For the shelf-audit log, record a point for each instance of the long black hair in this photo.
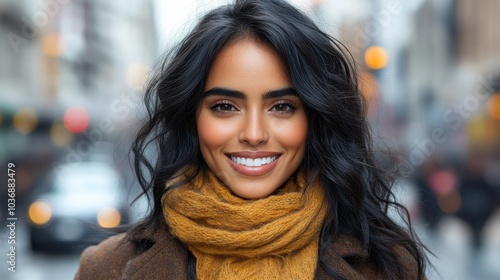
(339, 143)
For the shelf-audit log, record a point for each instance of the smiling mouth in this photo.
(253, 162)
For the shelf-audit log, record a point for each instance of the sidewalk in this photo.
(455, 258)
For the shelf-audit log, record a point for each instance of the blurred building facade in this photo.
(58, 54)
(71, 77)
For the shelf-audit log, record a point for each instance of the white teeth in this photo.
(250, 162)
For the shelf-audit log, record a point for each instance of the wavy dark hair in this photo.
(339, 145)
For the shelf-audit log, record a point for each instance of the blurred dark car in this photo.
(78, 204)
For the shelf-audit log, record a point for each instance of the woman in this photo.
(264, 168)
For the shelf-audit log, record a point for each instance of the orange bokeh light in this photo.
(376, 57)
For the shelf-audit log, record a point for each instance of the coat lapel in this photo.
(166, 259)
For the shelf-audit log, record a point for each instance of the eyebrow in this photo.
(218, 91)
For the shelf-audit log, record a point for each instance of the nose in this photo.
(254, 129)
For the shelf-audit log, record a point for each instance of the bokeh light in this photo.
(40, 213)
(136, 75)
(60, 135)
(76, 119)
(376, 57)
(108, 218)
(51, 44)
(25, 121)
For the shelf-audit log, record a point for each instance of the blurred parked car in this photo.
(78, 204)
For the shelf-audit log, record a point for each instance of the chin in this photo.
(253, 195)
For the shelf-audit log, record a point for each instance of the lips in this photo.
(253, 163)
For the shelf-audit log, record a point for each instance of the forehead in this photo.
(248, 64)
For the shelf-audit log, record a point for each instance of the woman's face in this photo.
(251, 123)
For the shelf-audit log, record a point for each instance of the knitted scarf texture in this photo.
(233, 238)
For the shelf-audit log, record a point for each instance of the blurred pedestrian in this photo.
(478, 196)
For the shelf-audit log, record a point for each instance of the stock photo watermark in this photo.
(374, 27)
(32, 25)
(454, 118)
(11, 218)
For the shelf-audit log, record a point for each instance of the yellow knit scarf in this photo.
(232, 238)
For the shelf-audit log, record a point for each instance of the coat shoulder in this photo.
(347, 257)
(109, 258)
(152, 253)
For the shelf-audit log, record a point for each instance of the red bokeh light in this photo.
(76, 119)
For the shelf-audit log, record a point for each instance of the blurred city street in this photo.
(72, 80)
(455, 259)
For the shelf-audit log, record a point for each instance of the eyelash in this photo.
(216, 107)
(291, 107)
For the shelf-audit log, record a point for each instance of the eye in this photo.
(284, 107)
(225, 107)
(222, 107)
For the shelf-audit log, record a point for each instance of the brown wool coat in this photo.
(167, 259)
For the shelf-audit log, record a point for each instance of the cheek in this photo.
(211, 133)
(292, 135)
